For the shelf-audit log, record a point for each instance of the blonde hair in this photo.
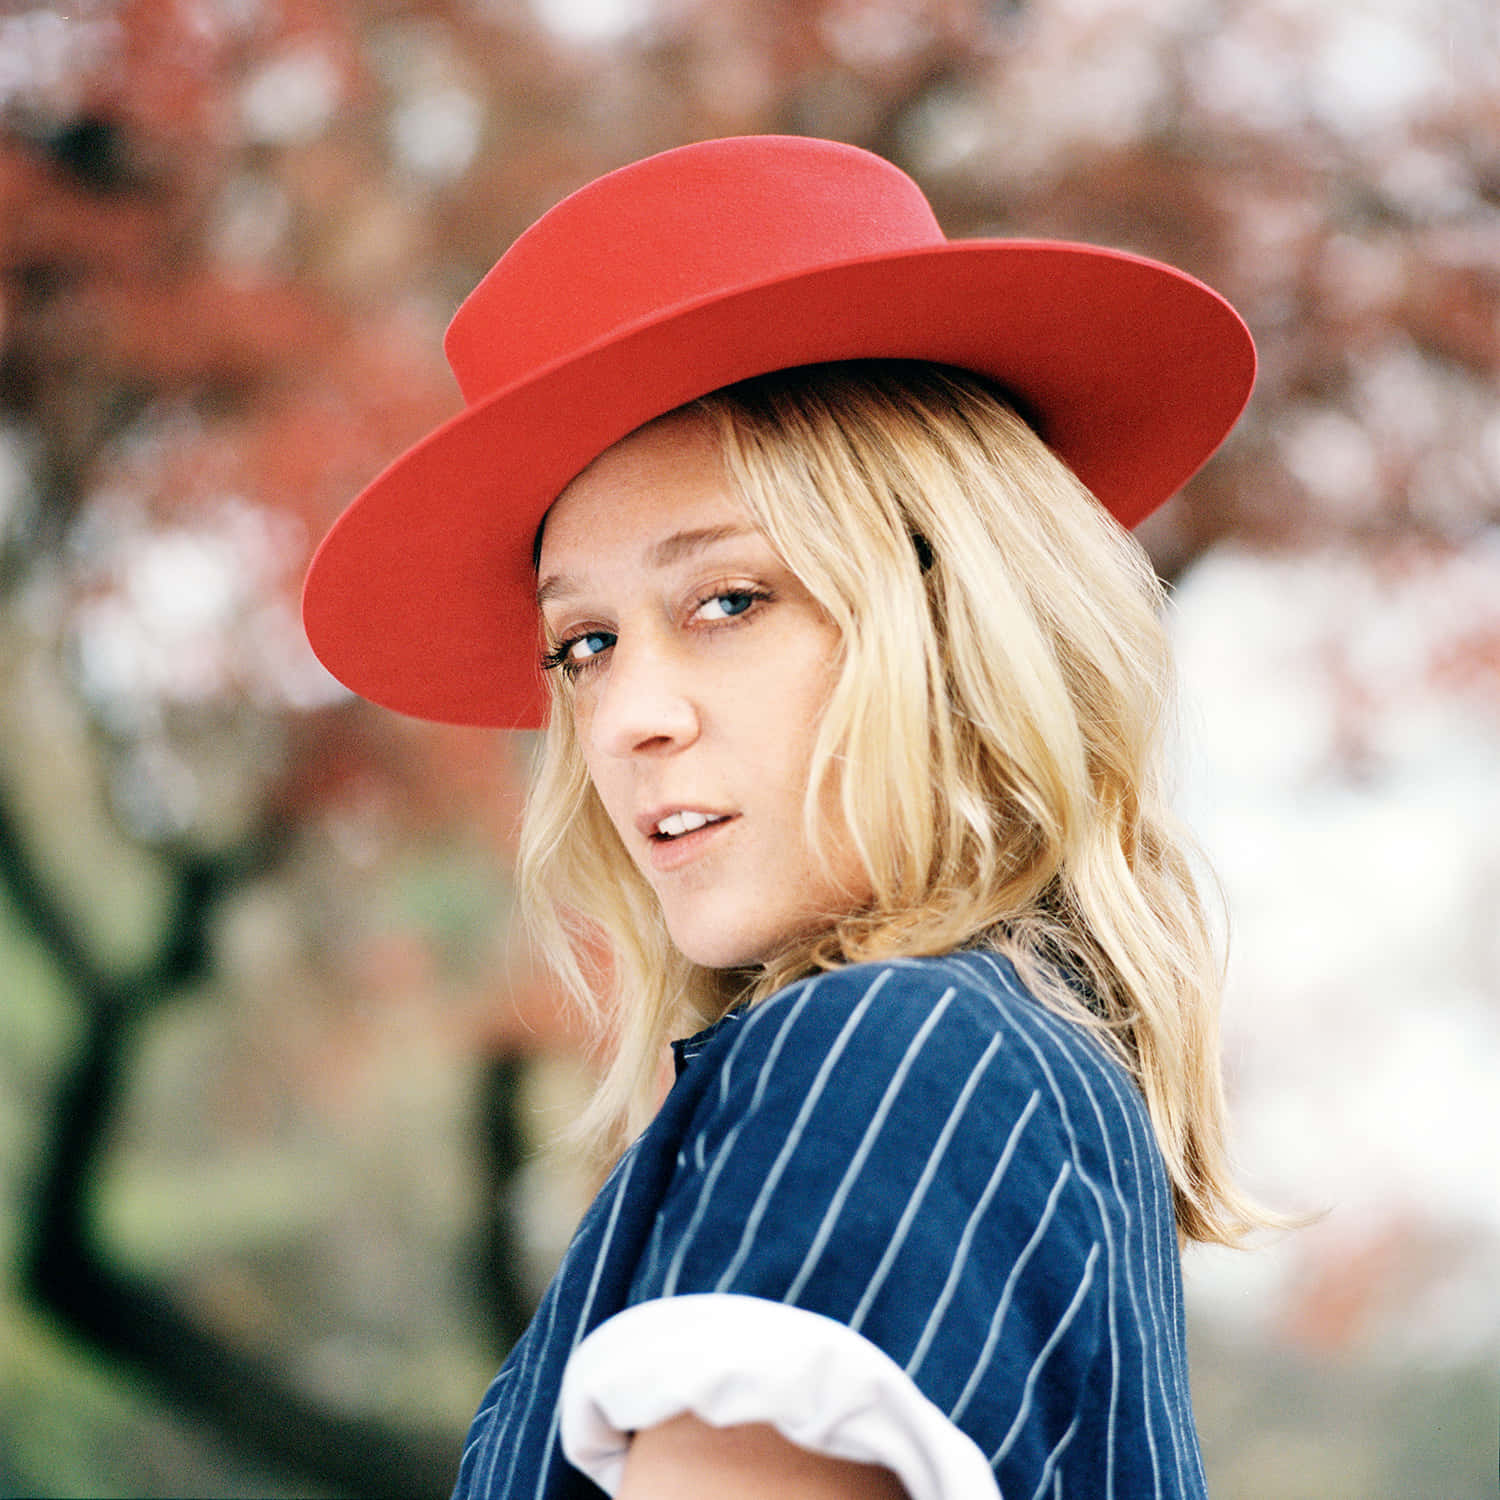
(994, 734)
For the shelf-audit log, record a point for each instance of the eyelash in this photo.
(559, 659)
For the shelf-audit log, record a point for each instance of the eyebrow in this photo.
(661, 554)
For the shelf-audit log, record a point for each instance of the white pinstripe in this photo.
(799, 1125)
(492, 1401)
(802, 994)
(1049, 1468)
(1159, 1283)
(1098, 1196)
(1018, 1267)
(966, 1239)
(1151, 1346)
(866, 1144)
(705, 1195)
(496, 1437)
(909, 1213)
(1053, 1339)
(588, 1306)
(1140, 1245)
(726, 1150)
(653, 1249)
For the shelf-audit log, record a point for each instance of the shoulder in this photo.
(852, 1135)
(958, 1033)
(922, 1012)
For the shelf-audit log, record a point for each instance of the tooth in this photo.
(674, 825)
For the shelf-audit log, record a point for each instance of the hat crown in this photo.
(702, 221)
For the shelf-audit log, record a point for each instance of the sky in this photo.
(1342, 770)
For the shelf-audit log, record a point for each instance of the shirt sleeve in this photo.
(880, 1155)
(729, 1359)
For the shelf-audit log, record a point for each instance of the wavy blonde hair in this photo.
(995, 735)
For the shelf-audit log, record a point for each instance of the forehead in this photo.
(666, 477)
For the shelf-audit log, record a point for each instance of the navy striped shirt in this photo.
(920, 1151)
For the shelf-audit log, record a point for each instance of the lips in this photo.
(677, 837)
(674, 820)
(674, 825)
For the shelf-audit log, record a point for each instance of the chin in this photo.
(717, 948)
(721, 955)
(713, 946)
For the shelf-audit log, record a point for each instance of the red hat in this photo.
(692, 270)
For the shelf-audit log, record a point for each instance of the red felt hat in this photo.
(689, 271)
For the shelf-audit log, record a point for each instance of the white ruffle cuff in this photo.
(729, 1359)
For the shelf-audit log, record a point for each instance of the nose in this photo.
(644, 704)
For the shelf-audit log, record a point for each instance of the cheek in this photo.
(789, 728)
(799, 707)
(605, 779)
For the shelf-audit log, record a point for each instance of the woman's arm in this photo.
(686, 1459)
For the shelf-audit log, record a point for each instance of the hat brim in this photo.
(422, 596)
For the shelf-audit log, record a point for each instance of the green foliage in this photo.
(455, 897)
(73, 1424)
(229, 239)
(1276, 1421)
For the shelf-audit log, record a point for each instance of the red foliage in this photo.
(212, 289)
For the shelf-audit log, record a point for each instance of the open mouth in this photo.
(676, 825)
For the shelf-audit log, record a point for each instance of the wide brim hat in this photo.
(691, 270)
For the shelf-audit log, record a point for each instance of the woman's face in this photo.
(700, 667)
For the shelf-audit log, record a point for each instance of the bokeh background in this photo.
(279, 1085)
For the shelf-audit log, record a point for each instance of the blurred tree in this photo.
(230, 236)
(184, 397)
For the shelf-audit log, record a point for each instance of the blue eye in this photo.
(581, 647)
(575, 653)
(727, 605)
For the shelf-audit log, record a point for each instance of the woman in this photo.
(854, 692)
